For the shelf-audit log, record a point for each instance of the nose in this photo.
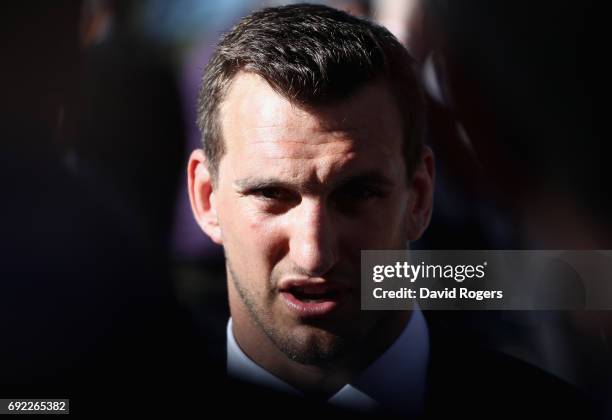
(313, 242)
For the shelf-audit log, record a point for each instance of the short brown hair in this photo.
(312, 55)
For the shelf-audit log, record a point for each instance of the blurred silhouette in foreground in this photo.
(86, 304)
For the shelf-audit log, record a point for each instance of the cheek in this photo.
(381, 227)
(251, 240)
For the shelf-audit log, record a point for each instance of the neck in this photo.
(316, 381)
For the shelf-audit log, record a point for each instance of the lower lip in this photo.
(309, 309)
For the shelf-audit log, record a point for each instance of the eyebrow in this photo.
(370, 177)
(255, 183)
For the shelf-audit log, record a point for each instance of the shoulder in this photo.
(466, 379)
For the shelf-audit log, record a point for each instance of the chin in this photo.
(310, 345)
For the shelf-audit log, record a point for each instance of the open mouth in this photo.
(310, 300)
(313, 294)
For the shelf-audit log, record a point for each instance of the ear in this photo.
(420, 197)
(202, 196)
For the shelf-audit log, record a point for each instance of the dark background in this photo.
(107, 282)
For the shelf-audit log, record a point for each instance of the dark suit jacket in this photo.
(464, 381)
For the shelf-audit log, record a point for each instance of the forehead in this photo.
(261, 127)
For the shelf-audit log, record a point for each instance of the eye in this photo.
(352, 197)
(272, 193)
(274, 200)
(358, 192)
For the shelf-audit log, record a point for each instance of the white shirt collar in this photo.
(395, 381)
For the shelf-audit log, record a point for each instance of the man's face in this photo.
(299, 194)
